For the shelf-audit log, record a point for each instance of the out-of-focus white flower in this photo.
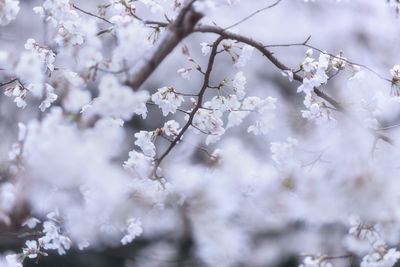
(381, 258)
(8, 11)
(308, 64)
(315, 262)
(50, 98)
(133, 230)
(31, 249)
(139, 164)
(238, 85)
(289, 74)
(76, 99)
(20, 94)
(30, 68)
(31, 222)
(84, 244)
(205, 48)
(118, 101)
(245, 55)
(14, 260)
(395, 71)
(46, 55)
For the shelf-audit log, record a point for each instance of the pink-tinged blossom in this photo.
(153, 5)
(167, 100)
(46, 55)
(308, 64)
(395, 71)
(76, 99)
(185, 73)
(19, 92)
(171, 128)
(208, 122)
(31, 249)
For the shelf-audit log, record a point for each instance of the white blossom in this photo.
(386, 259)
(31, 222)
(139, 164)
(167, 99)
(14, 260)
(171, 128)
(205, 48)
(50, 98)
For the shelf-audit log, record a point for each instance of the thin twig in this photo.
(251, 15)
(91, 14)
(7, 83)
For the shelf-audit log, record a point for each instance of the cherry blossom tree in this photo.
(201, 132)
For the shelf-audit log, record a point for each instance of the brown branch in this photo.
(176, 32)
(184, 25)
(268, 54)
(195, 109)
(104, 31)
